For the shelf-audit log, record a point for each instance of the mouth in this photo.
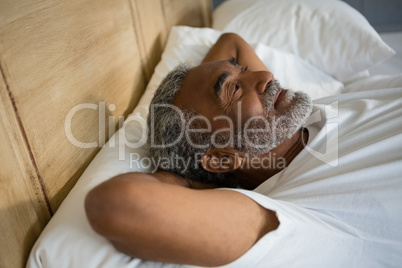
(276, 97)
(274, 92)
(279, 96)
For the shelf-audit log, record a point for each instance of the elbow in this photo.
(233, 37)
(229, 35)
(96, 209)
(104, 204)
(101, 208)
(112, 204)
(117, 210)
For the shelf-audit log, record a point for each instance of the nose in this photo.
(258, 80)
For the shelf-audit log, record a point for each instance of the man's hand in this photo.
(232, 45)
(157, 217)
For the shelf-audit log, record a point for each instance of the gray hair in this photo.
(168, 145)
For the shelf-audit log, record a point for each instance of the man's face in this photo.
(249, 99)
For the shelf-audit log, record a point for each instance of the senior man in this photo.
(242, 130)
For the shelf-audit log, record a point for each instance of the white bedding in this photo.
(68, 240)
(339, 201)
(387, 74)
(392, 66)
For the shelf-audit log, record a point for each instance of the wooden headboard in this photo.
(68, 69)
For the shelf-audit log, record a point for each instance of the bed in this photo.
(73, 70)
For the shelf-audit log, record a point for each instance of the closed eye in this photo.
(235, 89)
(233, 61)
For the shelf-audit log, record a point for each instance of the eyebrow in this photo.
(219, 82)
(222, 78)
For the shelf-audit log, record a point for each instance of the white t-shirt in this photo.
(339, 202)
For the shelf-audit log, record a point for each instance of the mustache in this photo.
(271, 89)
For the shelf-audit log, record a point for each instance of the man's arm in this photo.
(152, 216)
(232, 45)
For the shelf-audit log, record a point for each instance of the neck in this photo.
(298, 145)
(259, 169)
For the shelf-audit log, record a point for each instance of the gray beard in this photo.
(270, 129)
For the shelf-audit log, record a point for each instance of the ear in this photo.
(219, 160)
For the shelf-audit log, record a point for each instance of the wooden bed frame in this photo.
(55, 55)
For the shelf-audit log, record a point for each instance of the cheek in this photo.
(247, 108)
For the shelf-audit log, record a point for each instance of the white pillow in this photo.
(68, 240)
(329, 34)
